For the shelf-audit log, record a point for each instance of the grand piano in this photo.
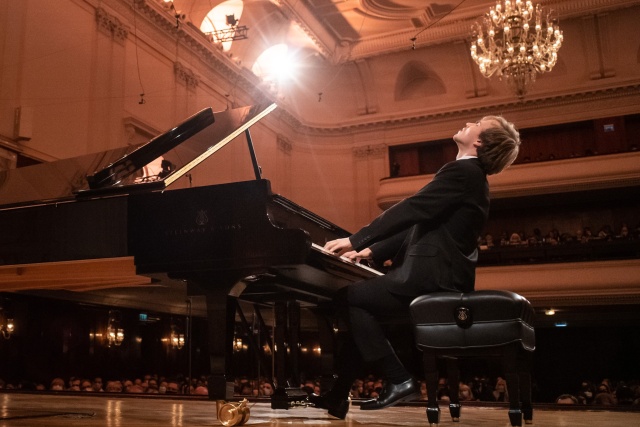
(229, 242)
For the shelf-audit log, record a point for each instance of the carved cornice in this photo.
(284, 144)
(370, 151)
(243, 79)
(111, 25)
(511, 105)
(201, 47)
(294, 14)
(185, 75)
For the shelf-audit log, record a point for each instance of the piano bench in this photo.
(487, 324)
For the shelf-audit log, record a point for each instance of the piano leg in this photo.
(288, 393)
(327, 338)
(221, 310)
(287, 343)
(279, 338)
(294, 342)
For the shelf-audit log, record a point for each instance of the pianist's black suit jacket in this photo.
(432, 235)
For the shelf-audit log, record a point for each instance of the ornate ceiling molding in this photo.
(185, 75)
(202, 48)
(451, 28)
(284, 144)
(377, 150)
(513, 105)
(111, 25)
(299, 14)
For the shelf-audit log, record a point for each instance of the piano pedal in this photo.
(288, 398)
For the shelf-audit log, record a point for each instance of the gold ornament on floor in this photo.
(233, 414)
(516, 41)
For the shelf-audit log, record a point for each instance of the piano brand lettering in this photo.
(203, 230)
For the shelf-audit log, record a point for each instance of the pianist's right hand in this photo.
(344, 248)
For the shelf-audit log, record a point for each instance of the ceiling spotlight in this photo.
(231, 20)
(550, 312)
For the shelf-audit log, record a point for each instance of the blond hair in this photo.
(499, 145)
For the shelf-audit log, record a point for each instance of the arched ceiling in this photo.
(346, 30)
(357, 50)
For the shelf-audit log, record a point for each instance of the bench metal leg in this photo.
(526, 363)
(453, 374)
(431, 380)
(510, 360)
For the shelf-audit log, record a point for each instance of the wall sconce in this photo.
(115, 334)
(7, 330)
(177, 339)
(7, 326)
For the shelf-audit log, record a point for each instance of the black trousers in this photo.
(365, 306)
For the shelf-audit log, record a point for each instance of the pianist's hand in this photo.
(358, 256)
(343, 247)
(339, 246)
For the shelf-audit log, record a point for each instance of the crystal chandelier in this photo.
(516, 41)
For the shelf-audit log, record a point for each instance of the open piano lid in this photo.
(151, 166)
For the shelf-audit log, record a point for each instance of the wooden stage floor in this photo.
(85, 410)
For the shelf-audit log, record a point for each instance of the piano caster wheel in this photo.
(230, 414)
(515, 416)
(433, 416)
(454, 410)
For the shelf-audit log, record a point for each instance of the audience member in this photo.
(172, 387)
(567, 399)
(624, 232)
(74, 384)
(114, 387)
(500, 393)
(587, 394)
(465, 394)
(608, 393)
(423, 391)
(57, 384)
(201, 391)
(266, 389)
(97, 384)
(86, 385)
(604, 396)
(515, 239)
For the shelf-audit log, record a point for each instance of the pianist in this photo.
(431, 238)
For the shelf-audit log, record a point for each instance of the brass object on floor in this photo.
(232, 414)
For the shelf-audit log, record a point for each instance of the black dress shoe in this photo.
(334, 406)
(392, 394)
